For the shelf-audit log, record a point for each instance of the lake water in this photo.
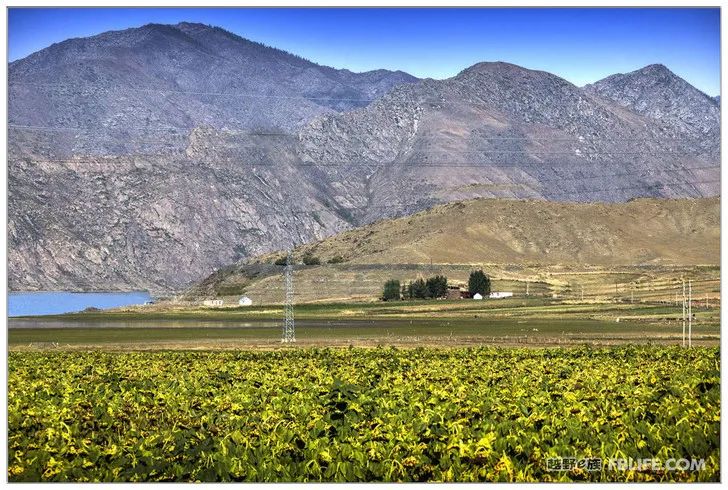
(56, 302)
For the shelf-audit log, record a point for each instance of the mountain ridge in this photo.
(157, 188)
(158, 76)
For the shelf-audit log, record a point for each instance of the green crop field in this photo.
(382, 414)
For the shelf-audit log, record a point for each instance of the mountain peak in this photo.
(494, 67)
(655, 68)
(657, 92)
(196, 25)
(287, 90)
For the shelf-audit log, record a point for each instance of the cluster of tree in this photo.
(433, 287)
(308, 259)
(479, 283)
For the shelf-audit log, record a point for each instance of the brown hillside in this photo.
(643, 231)
(646, 245)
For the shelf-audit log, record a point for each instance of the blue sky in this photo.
(581, 45)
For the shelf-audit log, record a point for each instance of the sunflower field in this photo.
(383, 414)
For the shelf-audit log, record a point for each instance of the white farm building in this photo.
(477, 296)
(500, 294)
(245, 301)
(213, 302)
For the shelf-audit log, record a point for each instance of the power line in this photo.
(534, 154)
(202, 127)
(401, 207)
(576, 193)
(192, 92)
(282, 212)
(668, 286)
(127, 128)
(397, 165)
(598, 191)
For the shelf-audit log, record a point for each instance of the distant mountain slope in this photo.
(149, 157)
(120, 87)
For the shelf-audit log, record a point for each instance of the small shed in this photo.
(453, 292)
(213, 302)
(477, 296)
(245, 301)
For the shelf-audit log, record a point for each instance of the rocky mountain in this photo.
(149, 157)
(141, 88)
(500, 130)
(654, 91)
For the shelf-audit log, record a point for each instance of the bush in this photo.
(310, 259)
(336, 260)
(280, 261)
(391, 290)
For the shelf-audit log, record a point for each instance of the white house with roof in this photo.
(245, 301)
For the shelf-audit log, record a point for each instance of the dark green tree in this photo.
(391, 290)
(280, 261)
(479, 283)
(437, 287)
(419, 289)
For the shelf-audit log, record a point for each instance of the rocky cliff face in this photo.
(147, 158)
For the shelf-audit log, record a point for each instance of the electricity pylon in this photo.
(684, 311)
(690, 314)
(289, 328)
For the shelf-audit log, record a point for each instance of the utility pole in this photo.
(527, 283)
(289, 329)
(582, 293)
(706, 301)
(683, 313)
(632, 295)
(690, 314)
